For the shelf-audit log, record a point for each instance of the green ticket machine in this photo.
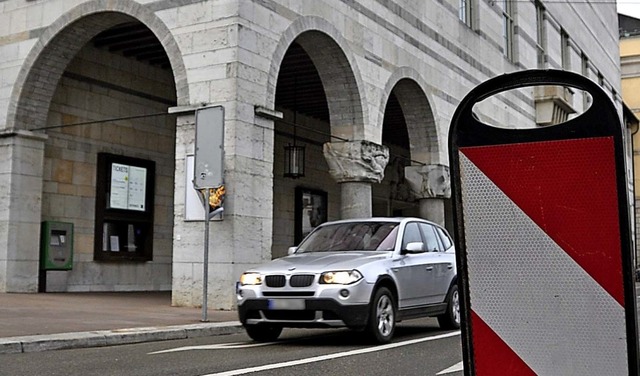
(56, 246)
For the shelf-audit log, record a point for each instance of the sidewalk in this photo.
(50, 321)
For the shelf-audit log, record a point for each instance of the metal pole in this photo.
(205, 272)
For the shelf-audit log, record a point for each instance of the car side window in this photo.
(446, 240)
(431, 239)
(411, 234)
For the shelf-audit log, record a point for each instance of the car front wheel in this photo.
(382, 316)
(451, 318)
(263, 333)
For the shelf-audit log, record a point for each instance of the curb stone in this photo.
(38, 343)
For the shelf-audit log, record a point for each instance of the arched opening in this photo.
(409, 132)
(393, 197)
(111, 98)
(301, 98)
(317, 94)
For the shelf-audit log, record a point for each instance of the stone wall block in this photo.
(3, 274)
(20, 276)
(183, 284)
(4, 230)
(5, 196)
(208, 73)
(194, 14)
(251, 247)
(221, 291)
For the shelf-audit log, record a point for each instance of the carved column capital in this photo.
(356, 161)
(430, 181)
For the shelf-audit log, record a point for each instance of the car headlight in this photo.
(250, 279)
(342, 277)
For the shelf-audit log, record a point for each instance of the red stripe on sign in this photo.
(568, 188)
(491, 355)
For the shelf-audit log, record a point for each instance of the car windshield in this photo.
(351, 236)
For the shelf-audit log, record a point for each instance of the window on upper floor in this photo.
(565, 50)
(508, 29)
(466, 9)
(584, 69)
(585, 72)
(541, 35)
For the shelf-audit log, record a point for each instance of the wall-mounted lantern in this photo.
(293, 160)
(294, 154)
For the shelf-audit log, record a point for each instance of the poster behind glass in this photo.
(127, 187)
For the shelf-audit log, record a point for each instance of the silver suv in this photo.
(365, 274)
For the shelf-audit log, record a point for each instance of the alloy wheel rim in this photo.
(385, 315)
(455, 306)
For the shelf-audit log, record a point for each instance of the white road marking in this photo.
(321, 358)
(219, 346)
(454, 368)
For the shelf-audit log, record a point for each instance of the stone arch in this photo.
(337, 68)
(61, 41)
(409, 88)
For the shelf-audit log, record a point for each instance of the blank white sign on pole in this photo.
(193, 208)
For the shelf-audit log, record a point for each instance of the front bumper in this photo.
(313, 306)
(317, 313)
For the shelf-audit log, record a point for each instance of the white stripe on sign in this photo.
(535, 297)
(321, 358)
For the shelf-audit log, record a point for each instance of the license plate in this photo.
(289, 304)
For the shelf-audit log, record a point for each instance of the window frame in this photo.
(541, 34)
(584, 61)
(118, 223)
(508, 29)
(300, 207)
(565, 50)
(465, 12)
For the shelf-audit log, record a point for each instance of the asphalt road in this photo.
(419, 348)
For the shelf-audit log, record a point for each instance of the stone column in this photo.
(431, 184)
(21, 170)
(356, 165)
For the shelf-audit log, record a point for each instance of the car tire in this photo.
(451, 318)
(263, 333)
(382, 316)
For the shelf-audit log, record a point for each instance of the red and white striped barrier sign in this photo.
(543, 243)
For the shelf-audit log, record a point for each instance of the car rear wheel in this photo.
(263, 333)
(382, 316)
(451, 318)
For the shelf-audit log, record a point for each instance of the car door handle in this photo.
(449, 266)
(429, 268)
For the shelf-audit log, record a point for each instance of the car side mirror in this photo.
(292, 250)
(414, 247)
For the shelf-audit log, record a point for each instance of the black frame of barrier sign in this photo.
(601, 119)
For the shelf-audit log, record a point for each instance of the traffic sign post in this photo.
(543, 239)
(208, 177)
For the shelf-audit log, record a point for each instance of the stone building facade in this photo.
(367, 87)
